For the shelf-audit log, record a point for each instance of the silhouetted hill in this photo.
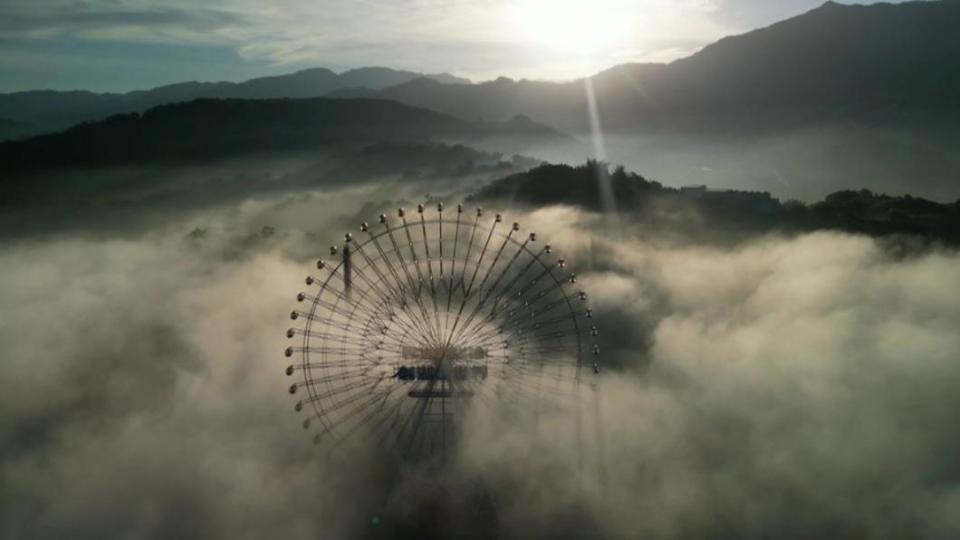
(49, 110)
(207, 128)
(319, 82)
(898, 62)
(118, 198)
(498, 99)
(381, 77)
(728, 214)
(10, 129)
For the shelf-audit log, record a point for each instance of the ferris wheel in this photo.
(422, 318)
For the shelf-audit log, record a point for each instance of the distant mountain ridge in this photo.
(887, 61)
(896, 62)
(207, 129)
(39, 111)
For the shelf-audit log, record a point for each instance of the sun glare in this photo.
(583, 26)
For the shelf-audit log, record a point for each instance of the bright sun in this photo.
(582, 26)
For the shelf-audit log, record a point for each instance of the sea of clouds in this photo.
(786, 387)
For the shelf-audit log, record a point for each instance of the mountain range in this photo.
(206, 129)
(38, 111)
(896, 62)
(882, 62)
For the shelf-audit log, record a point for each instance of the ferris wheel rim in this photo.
(380, 297)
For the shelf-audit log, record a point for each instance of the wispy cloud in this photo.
(122, 21)
(475, 38)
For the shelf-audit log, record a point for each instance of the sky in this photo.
(121, 45)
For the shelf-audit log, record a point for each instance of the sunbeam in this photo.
(607, 198)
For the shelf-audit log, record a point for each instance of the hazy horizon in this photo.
(104, 46)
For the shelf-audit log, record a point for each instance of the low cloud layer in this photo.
(788, 388)
(796, 388)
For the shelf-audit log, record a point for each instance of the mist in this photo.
(786, 387)
(805, 163)
(133, 200)
(789, 388)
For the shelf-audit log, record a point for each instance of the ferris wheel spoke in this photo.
(480, 298)
(363, 302)
(524, 317)
(314, 318)
(339, 377)
(416, 326)
(365, 419)
(399, 284)
(416, 265)
(453, 264)
(527, 322)
(483, 253)
(440, 241)
(462, 282)
(384, 426)
(496, 258)
(491, 292)
(433, 288)
(351, 398)
(519, 294)
(413, 284)
(466, 294)
(508, 289)
(334, 315)
(342, 339)
(347, 388)
(352, 353)
(348, 355)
